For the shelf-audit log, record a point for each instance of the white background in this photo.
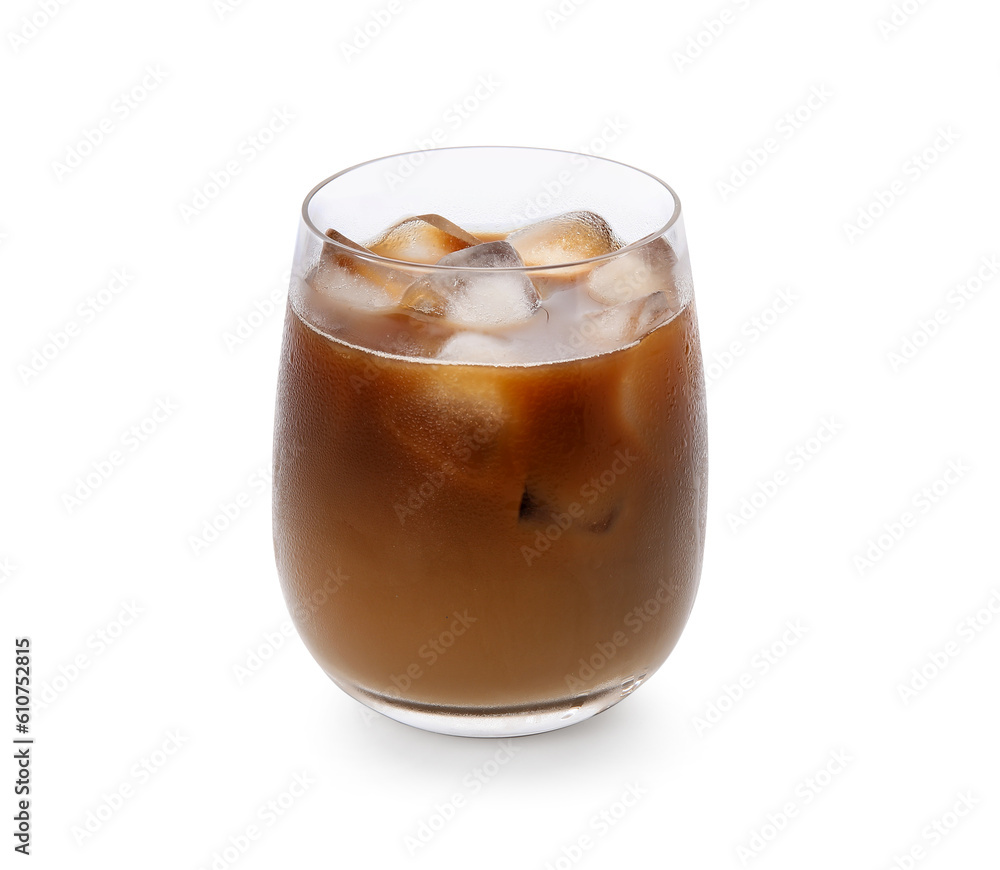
(709, 769)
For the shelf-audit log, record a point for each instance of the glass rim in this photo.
(372, 257)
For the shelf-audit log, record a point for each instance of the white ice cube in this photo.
(422, 239)
(635, 274)
(620, 325)
(565, 238)
(472, 294)
(476, 347)
(353, 280)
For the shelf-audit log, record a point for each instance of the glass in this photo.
(490, 480)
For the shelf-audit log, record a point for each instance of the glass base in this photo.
(513, 721)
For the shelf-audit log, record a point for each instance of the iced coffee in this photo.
(490, 463)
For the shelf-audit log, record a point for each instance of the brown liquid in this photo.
(473, 535)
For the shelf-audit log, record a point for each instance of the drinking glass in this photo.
(492, 530)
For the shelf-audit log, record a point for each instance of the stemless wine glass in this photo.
(490, 449)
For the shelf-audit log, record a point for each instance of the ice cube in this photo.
(452, 429)
(633, 275)
(476, 347)
(547, 499)
(476, 297)
(566, 238)
(394, 332)
(355, 281)
(330, 250)
(445, 225)
(623, 324)
(422, 239)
